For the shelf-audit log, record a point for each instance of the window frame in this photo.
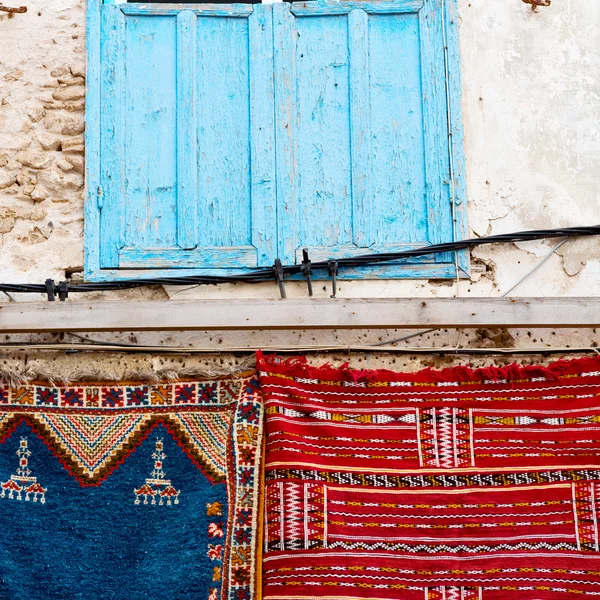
(457, 263)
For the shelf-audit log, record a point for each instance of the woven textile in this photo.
(456, 484)
(130, 491)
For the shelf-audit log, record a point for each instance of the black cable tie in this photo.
(278, 270)
(306, 270)
(50, 290)
(63, 290)
(332, 266)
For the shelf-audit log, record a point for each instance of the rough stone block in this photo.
(39, 194)
(7, 179)
(71, 92)
(71, 80)
(36, 114)
(73, 127)
(35, 160)
(76, 162)
(60, 71)
(48, 141)
(74, 144)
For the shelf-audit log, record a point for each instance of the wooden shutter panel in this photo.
(361, 127)
(187, 161)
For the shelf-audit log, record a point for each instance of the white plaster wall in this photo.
(531, 103)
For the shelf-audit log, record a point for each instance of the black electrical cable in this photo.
(267, 274)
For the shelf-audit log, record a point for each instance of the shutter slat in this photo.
(187, 145)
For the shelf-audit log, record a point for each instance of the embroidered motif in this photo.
(156, 486)
(23, 482)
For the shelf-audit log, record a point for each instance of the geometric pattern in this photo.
(91, 446)
(466, 484)
(92, 428)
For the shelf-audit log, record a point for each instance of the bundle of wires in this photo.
(258, 275)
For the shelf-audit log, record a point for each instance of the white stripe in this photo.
(461, 392)
(550, 429)
(536, 411)
(341, 409)
(395, 555)
(594, 517)
(355, 425)
(306, 516)
(417, 413)
(266, 526)
(442, 540)
(446, 516)
(357, 448)
(441, 578)
(435, 439)
(537, 447)
(575, 517)
(281, 518)
(324, 516)
(471, 437)
(454, 437)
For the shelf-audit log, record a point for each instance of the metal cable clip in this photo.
(307, 270)
(278, 270)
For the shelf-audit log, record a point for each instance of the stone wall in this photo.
(42, 95)
(530, 103)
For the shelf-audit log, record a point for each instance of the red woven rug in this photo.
(458, 484)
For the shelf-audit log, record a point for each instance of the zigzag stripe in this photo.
(92, 462)
(208, 434)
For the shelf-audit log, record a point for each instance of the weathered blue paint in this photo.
(93, 192)
(223, 136)
(187, 139)
(262, 135)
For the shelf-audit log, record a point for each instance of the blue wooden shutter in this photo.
(361, 129)
(230, 135)
(187, 161)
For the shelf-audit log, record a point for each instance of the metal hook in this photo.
(536, 3)
(278, 271)
(333, 271)
(13, 9)
(307, 270)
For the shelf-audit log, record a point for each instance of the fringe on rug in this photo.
(459, 374)
(25, 374)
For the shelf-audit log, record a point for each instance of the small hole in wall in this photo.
(39, 14)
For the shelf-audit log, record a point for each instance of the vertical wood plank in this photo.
(323, 205)
(187, 143)
(150, 205)
(397, 184)
(262, 135)
(286, 151)
(435, 113)
(92, 139)
(113, 58)
(223, 95)
(360, 128)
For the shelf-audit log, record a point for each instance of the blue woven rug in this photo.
(129, 491)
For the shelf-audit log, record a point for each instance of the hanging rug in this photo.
(130, 491)
(457, 484)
